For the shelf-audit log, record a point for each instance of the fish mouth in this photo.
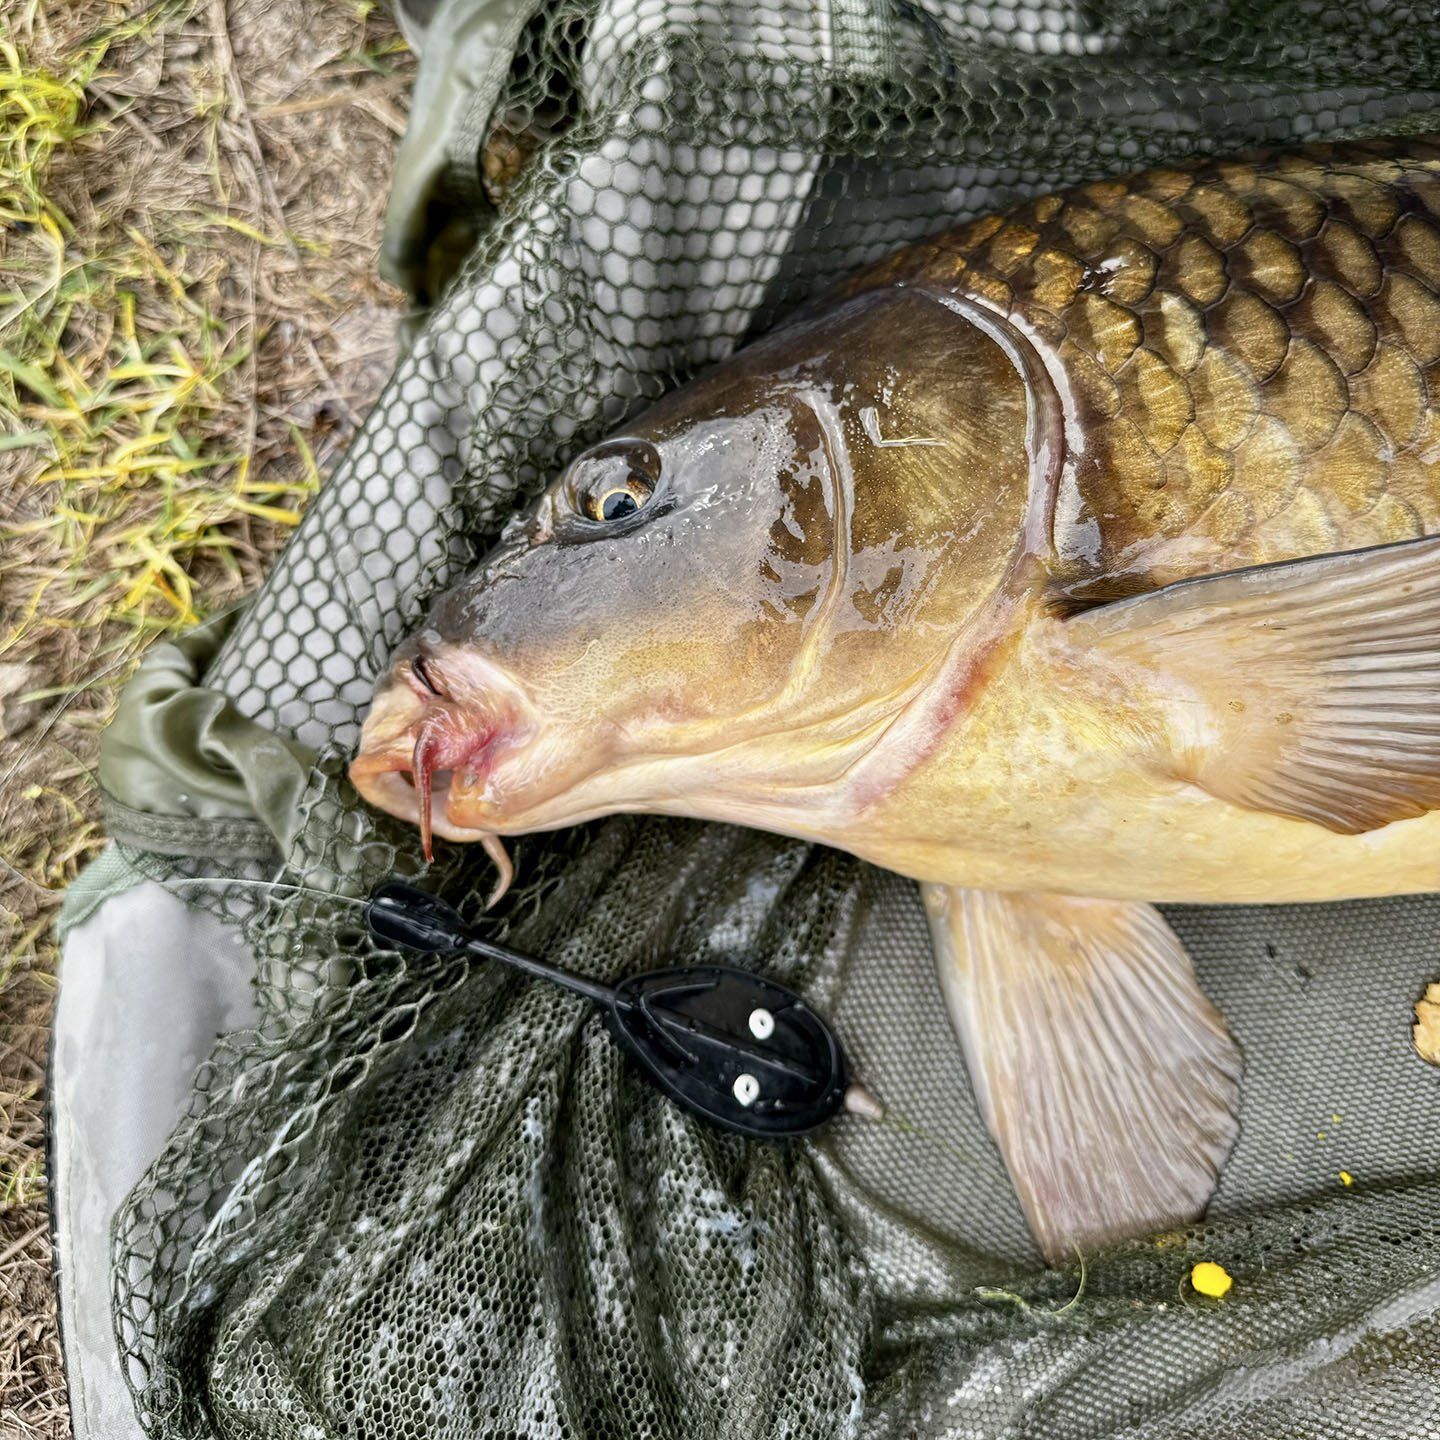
(427, 757)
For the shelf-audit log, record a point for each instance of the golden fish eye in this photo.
(613, 481)
(615, 502)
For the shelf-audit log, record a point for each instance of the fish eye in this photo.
(615, 480)
(617, 502)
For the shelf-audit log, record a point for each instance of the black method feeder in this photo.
(732, 1046)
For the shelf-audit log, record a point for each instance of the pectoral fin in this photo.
(1108, 1080)
(1310, 689)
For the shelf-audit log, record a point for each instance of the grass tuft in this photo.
(119, 377)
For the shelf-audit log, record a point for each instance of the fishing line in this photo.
(722, 1042)
(264, 885)
(173, 880)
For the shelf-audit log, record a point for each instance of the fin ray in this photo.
(1108, 1080)
(1318, 681)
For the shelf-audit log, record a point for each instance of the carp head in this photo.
(720, 610)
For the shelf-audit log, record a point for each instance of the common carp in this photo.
(1083, 557)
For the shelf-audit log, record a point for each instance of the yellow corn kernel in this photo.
(1211, 1279)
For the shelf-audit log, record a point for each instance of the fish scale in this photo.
(1251, 349)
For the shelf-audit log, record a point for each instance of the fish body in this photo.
(1070, 561)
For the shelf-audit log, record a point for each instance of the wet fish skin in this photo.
(1250, 350)
(827, 516)
(902, 578)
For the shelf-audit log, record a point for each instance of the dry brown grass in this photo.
(190, 326)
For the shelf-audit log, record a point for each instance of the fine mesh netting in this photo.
(425, 1200)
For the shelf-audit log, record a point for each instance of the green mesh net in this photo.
(425, 1200)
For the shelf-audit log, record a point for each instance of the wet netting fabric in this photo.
(423, 1199)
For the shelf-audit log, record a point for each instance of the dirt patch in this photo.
(191, 326)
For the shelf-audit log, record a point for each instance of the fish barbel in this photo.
(1083, 557)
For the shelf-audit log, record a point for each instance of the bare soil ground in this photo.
(191, 326)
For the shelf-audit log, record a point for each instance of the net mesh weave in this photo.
(426, 1200)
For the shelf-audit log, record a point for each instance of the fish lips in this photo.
(387, 782)
(449, 744)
